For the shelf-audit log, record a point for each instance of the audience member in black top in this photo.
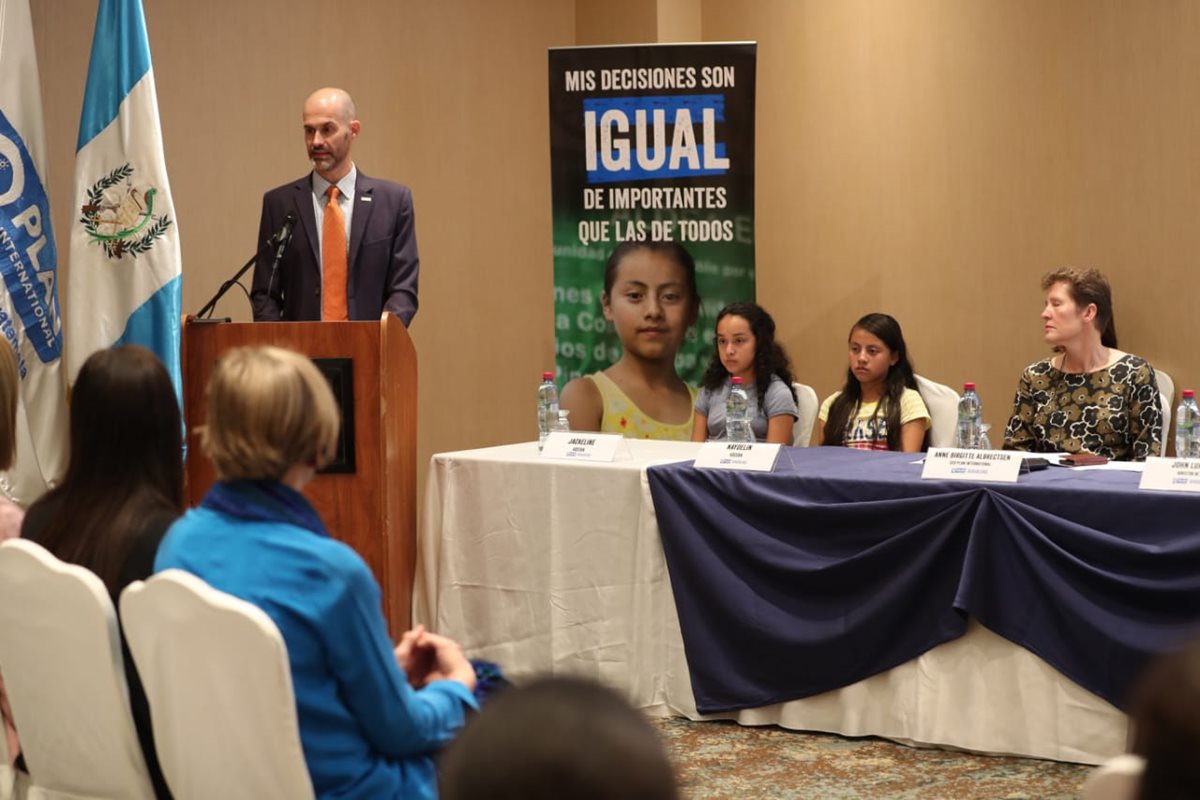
(122, 490)
(10, 513)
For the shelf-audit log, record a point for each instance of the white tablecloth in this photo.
(550, 566)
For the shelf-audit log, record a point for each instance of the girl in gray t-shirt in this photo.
(745, 347)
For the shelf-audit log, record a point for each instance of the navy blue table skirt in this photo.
(841, 564)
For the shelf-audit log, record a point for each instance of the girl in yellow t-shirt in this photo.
(650, 297)
(879, 408)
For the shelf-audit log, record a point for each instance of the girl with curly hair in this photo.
(745, 348)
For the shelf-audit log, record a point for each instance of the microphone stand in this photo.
(225, 287)
(279, 241)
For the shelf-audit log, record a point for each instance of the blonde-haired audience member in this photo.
(371, 717)
(558, 737)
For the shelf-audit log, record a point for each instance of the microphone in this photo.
(282, 240)
(284, 236)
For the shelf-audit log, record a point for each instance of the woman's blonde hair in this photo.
(10, 388)
(268, 410)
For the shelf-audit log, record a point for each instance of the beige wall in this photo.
(929, 158)
(933, 158)
(615, 21)
(453, 100)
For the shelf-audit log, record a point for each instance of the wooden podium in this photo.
(373, 508)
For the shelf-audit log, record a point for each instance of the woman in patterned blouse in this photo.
(1089, 397)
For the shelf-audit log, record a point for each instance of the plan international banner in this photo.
(29, 319)
(649, 142)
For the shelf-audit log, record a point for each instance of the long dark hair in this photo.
(769, 356)
(126, 461)
(900, 377)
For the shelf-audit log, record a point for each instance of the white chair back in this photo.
(61, 656)
(942, 402)
(1166, 390)
(807, 405)
(216, 672)
(1115, 779)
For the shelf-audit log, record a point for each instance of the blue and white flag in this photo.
(125, 280)
(29, 320)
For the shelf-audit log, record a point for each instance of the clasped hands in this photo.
(426, 657)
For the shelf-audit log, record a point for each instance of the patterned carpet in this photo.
(718, 760)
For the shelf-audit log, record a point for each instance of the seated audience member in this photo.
(650, 297)
(1165, 716)
(10, 513)
(879, 407)
(371, 718)
(1117, 778)
(558, 738)
(123, 488)
(1089, 397)
(745, 347)
(1166, 725)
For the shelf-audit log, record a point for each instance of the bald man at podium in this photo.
(336, 244)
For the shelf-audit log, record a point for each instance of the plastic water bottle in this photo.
(737, 414)
(547, 407)
(970, 418)
(1187, 426)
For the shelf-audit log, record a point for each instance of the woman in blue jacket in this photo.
(371, 717)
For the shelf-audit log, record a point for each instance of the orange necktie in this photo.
(333, 259)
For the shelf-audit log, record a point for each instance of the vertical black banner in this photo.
(649, 142)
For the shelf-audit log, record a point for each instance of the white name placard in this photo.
(580, 446)
(752, 457)
(1171, 474)
(947, 464)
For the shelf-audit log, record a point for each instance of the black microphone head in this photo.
(284, 234)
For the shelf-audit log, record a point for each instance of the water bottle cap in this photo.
(547, 376)
(1189, 392)
(737, 381)
(968, 387)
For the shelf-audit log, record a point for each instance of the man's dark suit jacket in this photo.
(382, 263)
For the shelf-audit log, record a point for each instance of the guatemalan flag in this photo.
(29, 320)
(125, 280)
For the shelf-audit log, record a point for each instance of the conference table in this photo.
(839, 592)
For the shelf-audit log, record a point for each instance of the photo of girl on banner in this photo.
(649, 143)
